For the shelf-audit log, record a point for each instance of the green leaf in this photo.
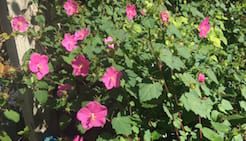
(225, 106)
(149, 91)
(166, 110)
(42, 85)
(40, 19)
(12, 115)
(41, 96)
(172, 30)
(195, 12)
(68, 59)
(172, 61)
(205, 89)
(220, 127)
(212, 75)
(81, 129)
(121, 34)
(184, 52)
(24, 132)
(147, 136)
(4, 136)
(237, 138)
(243, 91)
(188, 79)
(192, 102)
(137, 28)
(243, 105)
(149, 22)
(122, 125)
(211, 135)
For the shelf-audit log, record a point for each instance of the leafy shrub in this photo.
(159, 70)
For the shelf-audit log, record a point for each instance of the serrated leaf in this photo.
(220, 127)
(122, 125)
(149, 22)
(196, 12)
(188, 79)
(173, 62)
(225, 106)
(12, 115)
(149, 91)
(41, 96)
(192, 102)
(184, 52)
(211, 135)
(212, 75)
(172, 30)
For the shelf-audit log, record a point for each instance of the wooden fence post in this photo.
(16, 48)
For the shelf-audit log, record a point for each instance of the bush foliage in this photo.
(173, 83)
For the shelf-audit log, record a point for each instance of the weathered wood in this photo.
(16, 48)
(6, 27)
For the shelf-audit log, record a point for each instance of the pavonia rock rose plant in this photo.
(137, 70)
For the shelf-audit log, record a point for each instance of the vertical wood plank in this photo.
(16, 48)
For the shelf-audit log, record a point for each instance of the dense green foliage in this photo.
(160, 97)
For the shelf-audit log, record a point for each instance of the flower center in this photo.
(39, 67)
(93, 117)
(20, 24)
(80, 66)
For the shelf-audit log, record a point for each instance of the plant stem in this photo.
(200, 121)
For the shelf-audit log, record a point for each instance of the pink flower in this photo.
(38, 64)
(204, 28)
(92, 115)
(82, 34)
(69, 42)
(78, 138)
(80, 66)
(164, 16)
(111, 78)
(201, 78)
(131, 11)
(109, 41)
(63, 88)
(19, 23)
(71, 7)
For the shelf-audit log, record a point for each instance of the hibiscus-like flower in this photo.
(63, 88)
(164, 16)
(111, 78)
(80, 66)
(204, 28)
(80, 35)
(92, 115)
(201, 78)
(78, 138)
(38, 64)
(131, 11)
(69, 42)
(109, 41)
(71, 7)
(19, 23)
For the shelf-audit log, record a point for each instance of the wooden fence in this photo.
(16, 48)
